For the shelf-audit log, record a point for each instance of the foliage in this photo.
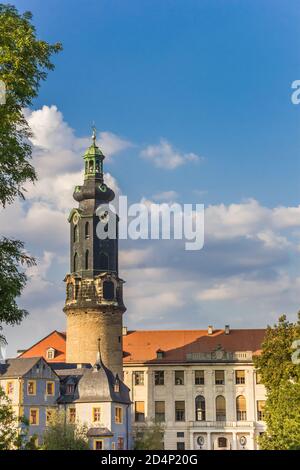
(10, 426)
(151, 438)
(12, 282)
(24, 61)
(62, 435)
(281, 377)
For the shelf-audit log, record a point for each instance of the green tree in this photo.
(10, 427)
(8, 424)
(151, 437)
(62, 435)
(24, 62)
(281, 377)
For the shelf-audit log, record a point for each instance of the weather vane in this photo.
(94, 132)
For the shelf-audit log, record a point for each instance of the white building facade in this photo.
(211, 401)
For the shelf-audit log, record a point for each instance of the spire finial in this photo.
(99, 351)
(94, 135)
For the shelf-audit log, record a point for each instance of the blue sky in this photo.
(213, 77)
(210, 78)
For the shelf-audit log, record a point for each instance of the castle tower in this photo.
(94, 299)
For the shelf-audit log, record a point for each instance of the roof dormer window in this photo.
(160, 354)
(50, 353)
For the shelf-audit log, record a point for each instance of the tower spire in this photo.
(94, 134)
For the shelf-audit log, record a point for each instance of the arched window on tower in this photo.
(75, 263)
(108, 290)
(220, 408)
(87, 230)
(87, 259)
(103, 260)
(241, 411)
(91, 166)
(200, 408)
(75, 233)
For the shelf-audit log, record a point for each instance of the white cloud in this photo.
(134, 258)
(244, 274)
(164, 155)
(165, 196)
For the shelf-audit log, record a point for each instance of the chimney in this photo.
(227, 329)
(124, 330)
(210, 330)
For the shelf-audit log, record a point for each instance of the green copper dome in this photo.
(93, 151)
(93, 160)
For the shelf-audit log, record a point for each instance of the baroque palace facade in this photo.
(201, 384)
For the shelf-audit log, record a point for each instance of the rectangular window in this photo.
(180, 434)
(179, 377)
(199, 377)
(180, 446)
(139, 378)
(31, 387)
(219, 377)
(139, 411)
(160, 411)
(34, 416)
(50, 388)
(98, 444)
(118, 415)
(159, 377)
(72, 415)
(96, 415)
(239, 377)
(49, 415)
(10, 388)
(261, 410)
(70, 389)
(120, 443)
(179, 411)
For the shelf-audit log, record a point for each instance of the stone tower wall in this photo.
(84, 327)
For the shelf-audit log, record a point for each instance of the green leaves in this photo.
(281, 378)
(12, 281)
(61, 435)
(8, 424)
(152, 437)
(24, 62)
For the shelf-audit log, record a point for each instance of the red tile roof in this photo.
(56, 340)
(142, 345)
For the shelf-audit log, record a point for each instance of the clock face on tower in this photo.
(75, 219)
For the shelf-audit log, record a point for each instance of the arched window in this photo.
(103, 259)
(241, 411)
(86, 264)
(220, 408)
(91, 166)
(200, 408)
(75, 262)
(108, 290)
(75, 233)
(87, 230)
(97, 166)
(222, 442)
